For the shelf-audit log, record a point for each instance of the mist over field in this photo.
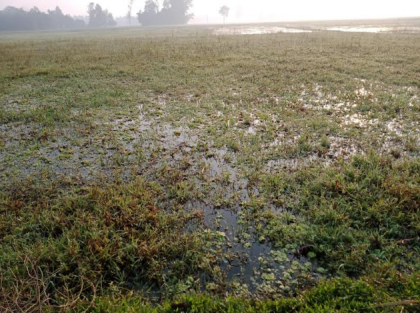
(250, 10)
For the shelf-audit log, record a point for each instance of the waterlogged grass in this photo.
(340, 295)
(96, 236)
(169, 171)
(350, 217)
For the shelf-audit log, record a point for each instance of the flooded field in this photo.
(373, 29)
(177, 167)
(233, 30)
(260, 30)
(385, 26)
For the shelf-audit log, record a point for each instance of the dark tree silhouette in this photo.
(224, 11)
(14, 19)
(99, 17)
(173, 12)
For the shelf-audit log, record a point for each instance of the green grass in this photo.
(150, 172)
(340, 295)
(353, 216)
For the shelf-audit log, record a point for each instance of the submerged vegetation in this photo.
(170, 170)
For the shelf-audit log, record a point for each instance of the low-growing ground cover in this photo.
(173, 170)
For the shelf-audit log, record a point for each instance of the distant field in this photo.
(181, 169)
(407, 25)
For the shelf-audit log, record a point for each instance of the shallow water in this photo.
(248, 264)
(372, 29)
(256, 30)
(360, 29)
(259, 30)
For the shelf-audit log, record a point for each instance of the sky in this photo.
(250, 10)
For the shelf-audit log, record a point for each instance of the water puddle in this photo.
(360, 29)
(257, 30)
(358, 120)
(373, 29)
(240, 259)
(395, 127)
(291, 164)
(342, 148)
(253, 262)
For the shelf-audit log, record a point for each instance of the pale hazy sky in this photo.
(251, 10)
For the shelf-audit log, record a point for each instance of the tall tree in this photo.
(173, 12)
(99, 17)
(130, 10)
(151, 6)
(224, 11)
(57, 18)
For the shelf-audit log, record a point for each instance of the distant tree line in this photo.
(12, 19)
(15, 19)
(173, 12)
